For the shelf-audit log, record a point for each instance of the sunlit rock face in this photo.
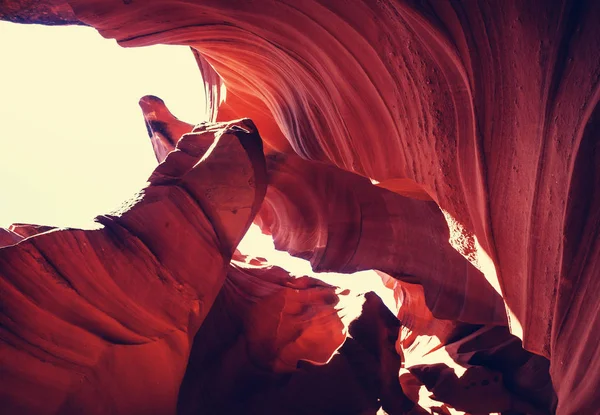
(102, 321)
(453, 343)
(451, 145)
(267, 347)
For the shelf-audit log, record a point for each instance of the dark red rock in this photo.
(311, 205)
(46, 12)
(226, 376)
(486, 111)
(103, 320)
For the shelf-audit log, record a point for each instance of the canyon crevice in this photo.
(453, 146)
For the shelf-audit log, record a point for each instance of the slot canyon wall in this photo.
(450, 145)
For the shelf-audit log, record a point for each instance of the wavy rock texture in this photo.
(264, 343)
(79, 306)
(484, 111)
(469, 368)
(340, 221)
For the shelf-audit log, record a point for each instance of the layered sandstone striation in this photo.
(102, 321)
(453, 146)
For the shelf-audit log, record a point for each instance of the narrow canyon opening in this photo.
(83, 149)
(448, 150)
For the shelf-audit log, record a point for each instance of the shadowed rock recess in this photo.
(453, 146)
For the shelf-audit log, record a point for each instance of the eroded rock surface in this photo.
(478, 124)
(102, 321)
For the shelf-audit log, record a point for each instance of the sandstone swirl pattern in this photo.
(481, 116)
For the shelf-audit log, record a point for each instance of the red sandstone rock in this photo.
(285, 319)
(164, 128)
(487, 108)
(473, 368)
(340, 222)
(224, 377)
(47, 12)
(310, 205)
(103, 320)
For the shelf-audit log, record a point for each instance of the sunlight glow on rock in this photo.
(72, 80)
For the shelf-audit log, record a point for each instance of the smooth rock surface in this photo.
(102, 321)
(485, 113)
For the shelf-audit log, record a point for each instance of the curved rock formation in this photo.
(473, 368)
(264, 345)
(340, 221)
(79, 305)
(480, 122)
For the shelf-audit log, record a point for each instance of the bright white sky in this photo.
(72, 134)
(73, 139)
